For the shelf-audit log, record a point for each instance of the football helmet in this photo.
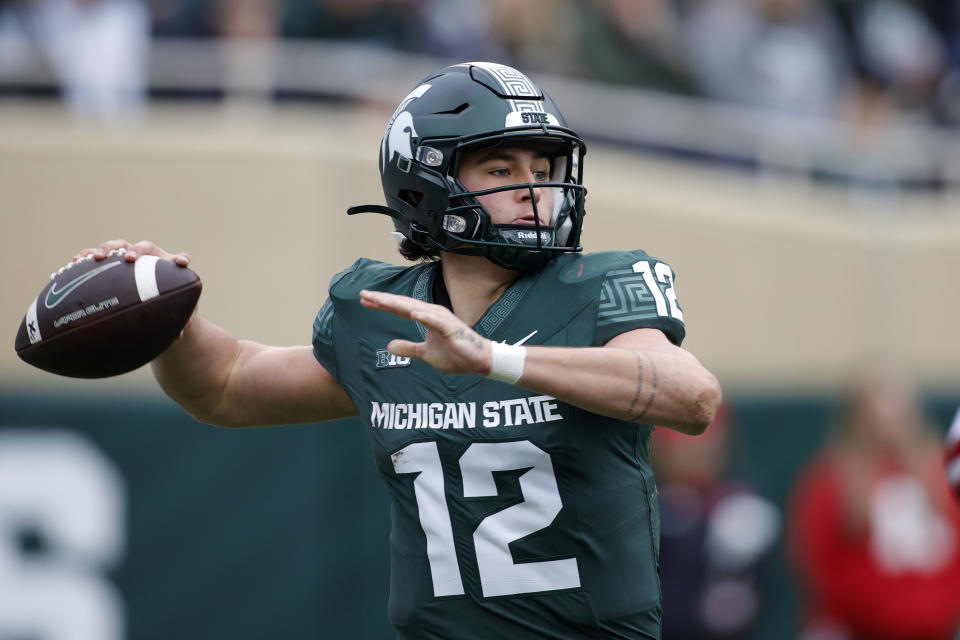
(473, 106)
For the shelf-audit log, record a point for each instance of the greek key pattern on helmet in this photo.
(526, 105)
(513, 82)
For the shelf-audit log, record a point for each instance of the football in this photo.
(100, 318)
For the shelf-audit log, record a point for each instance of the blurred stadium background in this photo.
(796, 161)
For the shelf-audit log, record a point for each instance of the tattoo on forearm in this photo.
(636, 396)
(654, 385)
(463, 333)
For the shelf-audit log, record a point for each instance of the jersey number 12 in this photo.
(499, 574)
(664, 275)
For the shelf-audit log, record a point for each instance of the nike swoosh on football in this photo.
(55, 297)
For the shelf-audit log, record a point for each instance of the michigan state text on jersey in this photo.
(514, 514)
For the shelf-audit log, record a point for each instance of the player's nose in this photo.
(523, 194)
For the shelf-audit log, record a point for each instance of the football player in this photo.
(508, 381)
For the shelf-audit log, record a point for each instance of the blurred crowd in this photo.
(874, 531)
(869, 529)
(851, 59)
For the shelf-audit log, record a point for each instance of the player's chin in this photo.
(527, 221)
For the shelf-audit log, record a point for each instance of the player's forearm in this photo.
(195, 369)
(668, 388)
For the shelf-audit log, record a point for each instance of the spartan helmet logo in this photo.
(400, 130)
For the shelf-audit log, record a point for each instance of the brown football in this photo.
(99, 318)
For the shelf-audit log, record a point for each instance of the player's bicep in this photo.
(642, 339)
(280, 385)
(662, 352)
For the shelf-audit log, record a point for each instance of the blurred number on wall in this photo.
(62, 529)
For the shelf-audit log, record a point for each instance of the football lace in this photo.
(113, 252)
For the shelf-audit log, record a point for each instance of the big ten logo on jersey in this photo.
(386, 360)
(62, 528)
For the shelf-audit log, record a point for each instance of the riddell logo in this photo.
(532, 235)
(386, 360)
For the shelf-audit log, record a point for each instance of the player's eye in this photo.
(541, 176)
(500, 173)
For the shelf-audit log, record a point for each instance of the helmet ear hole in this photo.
(412, 198)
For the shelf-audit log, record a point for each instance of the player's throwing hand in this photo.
(144, 247)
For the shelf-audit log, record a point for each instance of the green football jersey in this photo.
(514, 514)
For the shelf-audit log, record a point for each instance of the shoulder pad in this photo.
(587, 266)
(363, 274)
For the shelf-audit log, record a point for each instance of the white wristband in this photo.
(507, 362)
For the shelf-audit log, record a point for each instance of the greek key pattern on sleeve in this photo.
(625, 297)
(322, 329)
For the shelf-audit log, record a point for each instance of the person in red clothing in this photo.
(874, 532)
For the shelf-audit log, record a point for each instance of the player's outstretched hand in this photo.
(144, 247)
(451, 346)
